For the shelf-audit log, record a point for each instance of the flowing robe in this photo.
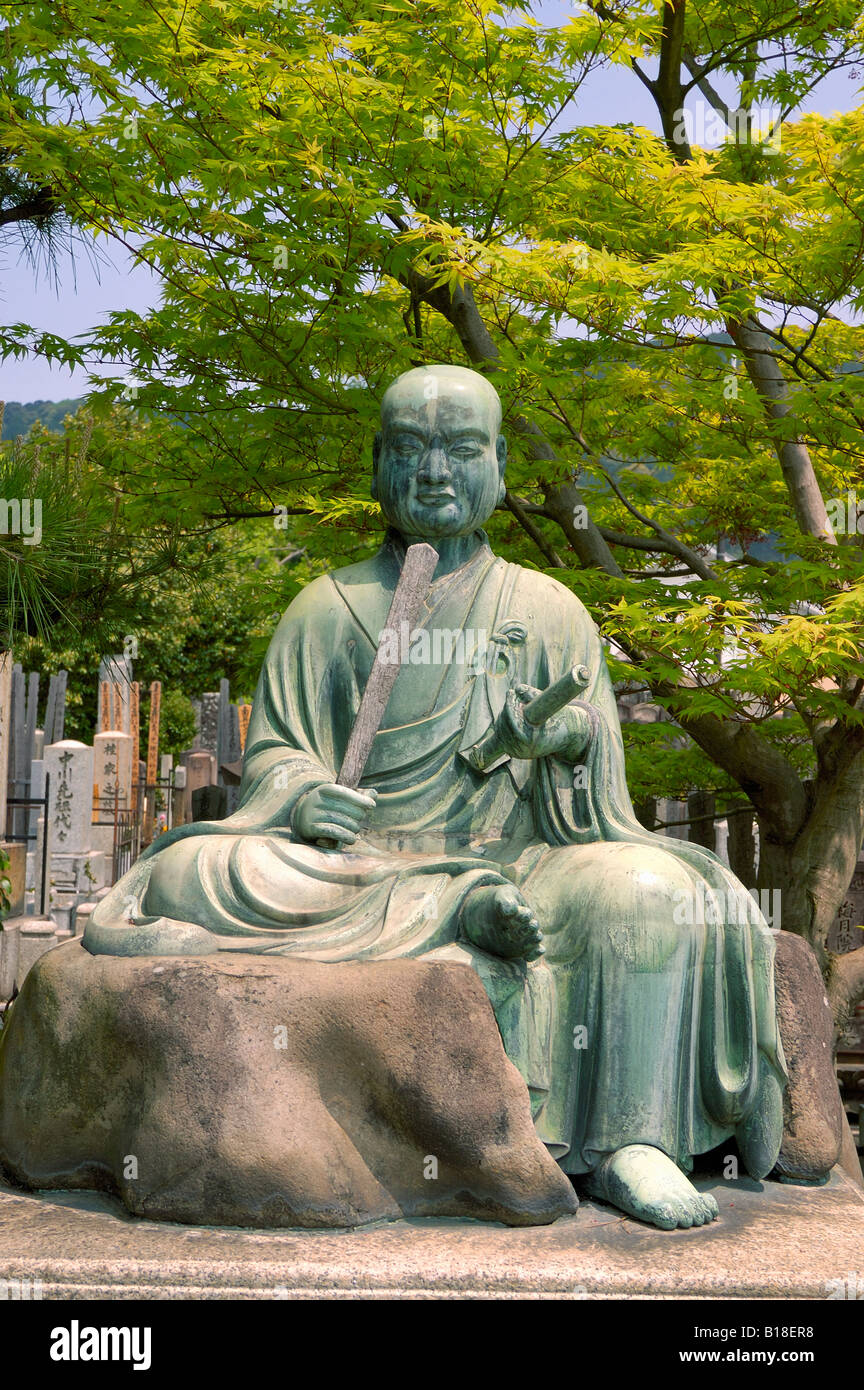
(651, 1012)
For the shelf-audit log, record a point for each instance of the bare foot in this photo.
(499, 920)
(644, 1182)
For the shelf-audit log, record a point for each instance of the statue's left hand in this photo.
(564, 735)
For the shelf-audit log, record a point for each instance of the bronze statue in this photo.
(477, 834)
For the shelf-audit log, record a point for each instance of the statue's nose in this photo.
(434, 467)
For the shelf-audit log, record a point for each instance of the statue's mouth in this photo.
(432, 495)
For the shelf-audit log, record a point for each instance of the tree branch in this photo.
(772, 389)
(705, 87)
(517, 507)
(670, 543)
(38, 208)
(669, 89)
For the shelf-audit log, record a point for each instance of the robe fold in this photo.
(651, 1012)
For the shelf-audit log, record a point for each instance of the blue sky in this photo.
(92, 285)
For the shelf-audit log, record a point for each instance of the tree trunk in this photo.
(646, 812)
(700, 812)
(812, 873)
(741, 846)
(796, 465)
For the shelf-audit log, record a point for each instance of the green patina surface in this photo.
(638, 1024)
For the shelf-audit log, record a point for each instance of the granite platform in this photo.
(772, 1241)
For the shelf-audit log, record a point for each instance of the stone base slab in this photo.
(773, 1241)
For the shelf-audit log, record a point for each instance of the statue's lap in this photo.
(617, 890)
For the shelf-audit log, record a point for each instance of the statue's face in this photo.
(439, 456)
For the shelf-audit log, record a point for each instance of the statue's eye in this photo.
(465, 451)
(405, 446)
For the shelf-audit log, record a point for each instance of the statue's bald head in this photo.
(439, 458)
(459, 387)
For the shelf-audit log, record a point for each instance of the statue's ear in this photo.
(376, 454)
(501, 451)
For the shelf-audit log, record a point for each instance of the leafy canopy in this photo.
(313, 181)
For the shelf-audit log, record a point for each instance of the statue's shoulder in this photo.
(544, 594)
(310, 597)
(325, 588)
(363, 572)
(334, 597)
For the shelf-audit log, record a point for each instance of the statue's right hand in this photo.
(332, 812)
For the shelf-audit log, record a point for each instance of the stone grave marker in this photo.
(224, 722)
(36, 817)
(117, 671)
(76, 867)
(104, 706)
(112, 774)
(200, 772)
(5, 733)
(152, 762)
(135, 734)
(17, 770)
(232, 762)
(209, 734)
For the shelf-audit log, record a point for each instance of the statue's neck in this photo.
(453, 551)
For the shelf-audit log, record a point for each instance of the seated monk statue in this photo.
(645, 1034)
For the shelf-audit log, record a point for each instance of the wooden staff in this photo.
(411, 590)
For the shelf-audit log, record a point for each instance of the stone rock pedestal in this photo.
(235, 1090)
(813, 1118)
